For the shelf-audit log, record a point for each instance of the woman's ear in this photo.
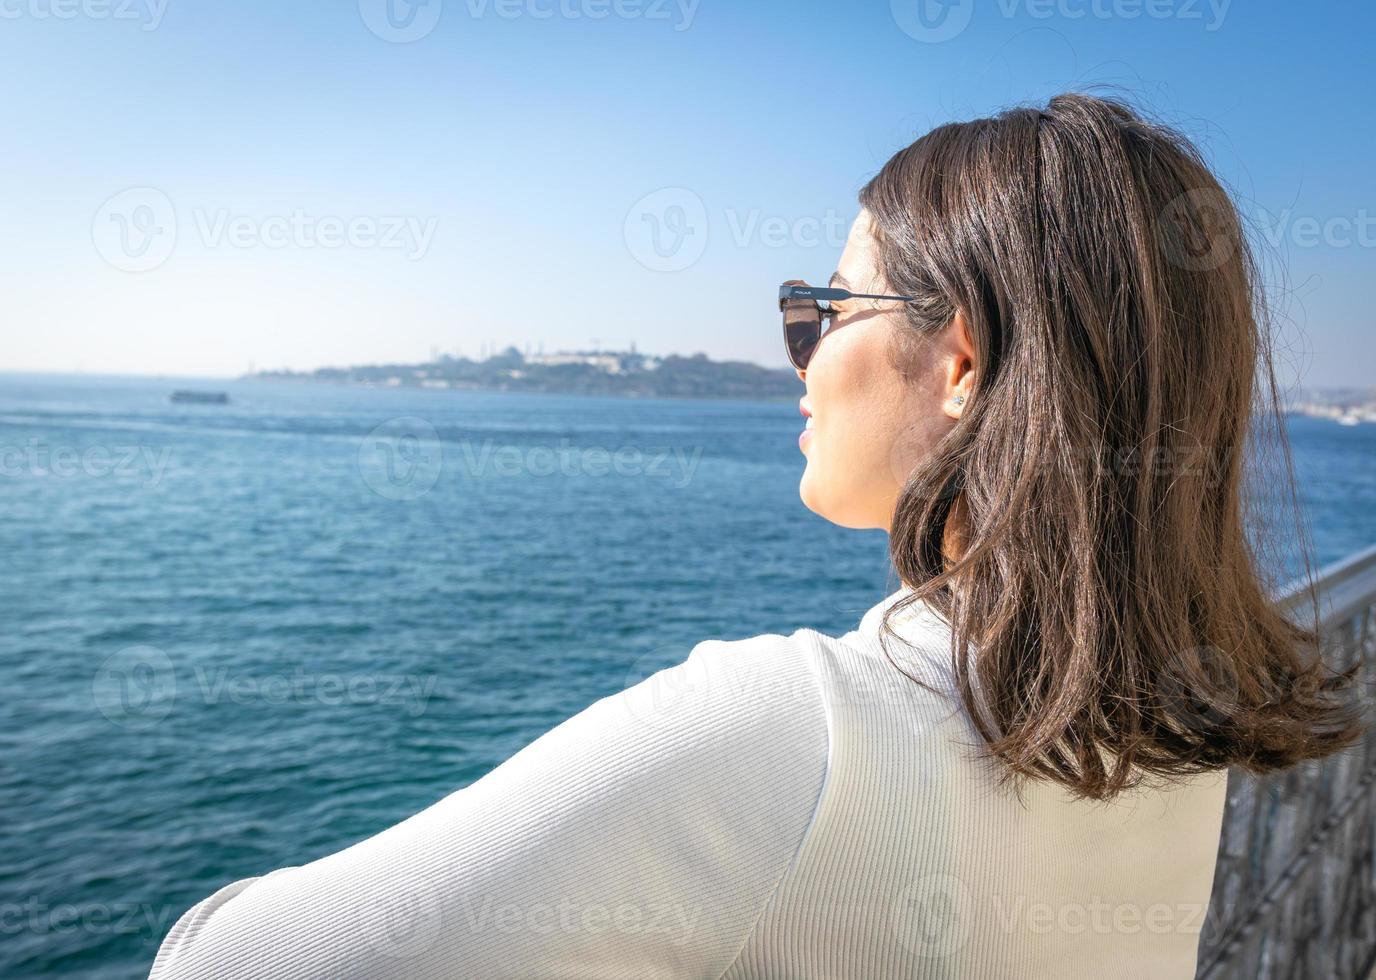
(960, 365)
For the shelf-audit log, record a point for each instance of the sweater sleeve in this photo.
(640, 839)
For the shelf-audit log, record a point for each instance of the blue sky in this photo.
(195, 188)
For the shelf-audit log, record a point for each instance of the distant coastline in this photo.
(623, 373)
(631, 374)
(1346, 406)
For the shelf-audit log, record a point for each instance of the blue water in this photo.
(244, 636)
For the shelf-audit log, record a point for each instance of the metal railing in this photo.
(1295, 886)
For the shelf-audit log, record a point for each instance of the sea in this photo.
(242, 636)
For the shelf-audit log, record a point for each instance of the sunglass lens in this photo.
(802, 331)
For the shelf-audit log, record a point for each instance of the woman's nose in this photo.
(802, 375)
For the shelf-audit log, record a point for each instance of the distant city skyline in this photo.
(203, 190)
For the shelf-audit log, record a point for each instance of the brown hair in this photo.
(1108, 617)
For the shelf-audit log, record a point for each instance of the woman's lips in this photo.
(806, 435)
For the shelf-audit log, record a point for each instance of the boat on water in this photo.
(189, 397)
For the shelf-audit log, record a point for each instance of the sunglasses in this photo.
(808, 314)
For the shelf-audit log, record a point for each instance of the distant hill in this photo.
(625, 373)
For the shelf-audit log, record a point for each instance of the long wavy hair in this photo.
(1108, 616)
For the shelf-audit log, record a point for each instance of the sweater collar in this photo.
(916, 617)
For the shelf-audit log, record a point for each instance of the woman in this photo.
(1036, 368)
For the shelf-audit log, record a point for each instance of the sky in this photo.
(205, 188)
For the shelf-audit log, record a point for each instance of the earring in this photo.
(959, 399)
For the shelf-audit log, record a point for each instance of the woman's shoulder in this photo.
(911, 625)
(794, 673)
(808, 682)
(740, 693)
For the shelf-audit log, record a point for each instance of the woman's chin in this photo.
(807, 492)
(831, 503)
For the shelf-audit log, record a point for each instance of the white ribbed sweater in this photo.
(778, 807)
